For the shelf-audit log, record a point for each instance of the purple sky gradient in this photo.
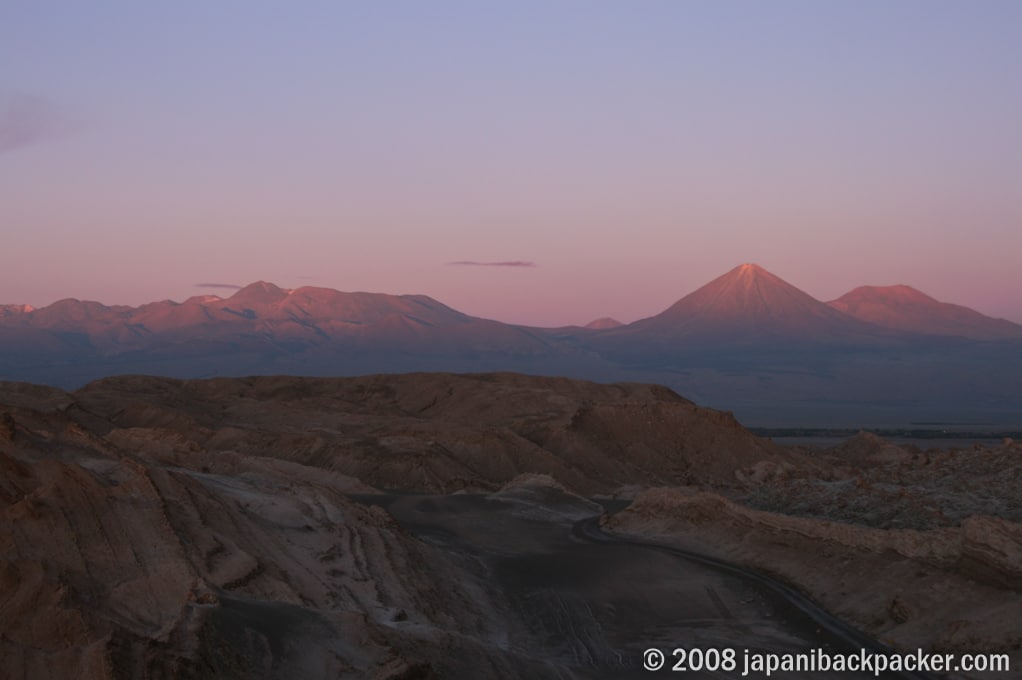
(631, 151)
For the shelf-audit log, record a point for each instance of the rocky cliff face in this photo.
(116, 565)
(949, 588)
(161, 528)
(432, 432)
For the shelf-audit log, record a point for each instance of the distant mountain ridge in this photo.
(746, 300)
(261, 329)
(262, 311)
(749, 302)
(904, 308)
(747, 341)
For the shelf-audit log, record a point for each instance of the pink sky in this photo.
(632, 154)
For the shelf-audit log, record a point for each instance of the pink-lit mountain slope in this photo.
(263, 314)
(748, 304)
(906, 309)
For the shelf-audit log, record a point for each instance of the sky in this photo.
(540, 162)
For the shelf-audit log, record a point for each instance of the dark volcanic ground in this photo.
(587, 609)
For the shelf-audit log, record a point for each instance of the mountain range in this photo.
(748, 341)
(749, 305)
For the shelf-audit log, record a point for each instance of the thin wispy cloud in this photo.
(26, 120)
(508, 263)
(231, 286)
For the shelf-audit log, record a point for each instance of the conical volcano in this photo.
(748, 304)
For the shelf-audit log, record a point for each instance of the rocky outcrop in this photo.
(866, 448)
(125, 556)
(434, 432)
(199, 529)
(701, 508)
(952, 588)
(992, 551)
(873, 482)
